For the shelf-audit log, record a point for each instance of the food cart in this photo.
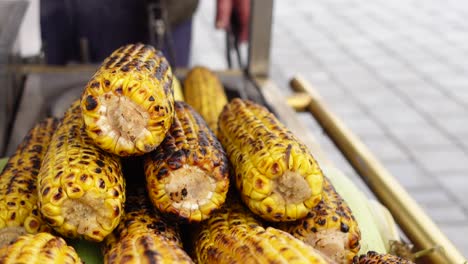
(48, 90)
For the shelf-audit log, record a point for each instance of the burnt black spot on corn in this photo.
(205, 93)
(375, 258)
(143, 236)
(128, 104)
(329, 227)
(276, 175)
(18, 192)
(233, 235)
(38, 249)
(187, 175)
(76, 200)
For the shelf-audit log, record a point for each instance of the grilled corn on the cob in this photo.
(142, 236)
(81, 187)
(128, 104)
(233, 235)
(205, 93)
(277, 176)
(178, 94)
(371, 239)
(39, 248)
(18, 193)
(329, 227)
(187, 175)
(375, 258)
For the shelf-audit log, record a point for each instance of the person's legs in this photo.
(109, 24)
(57, 31)
(182, 36)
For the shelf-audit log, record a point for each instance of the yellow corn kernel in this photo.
(81, 188)
(276, 175)
(187, 175)
(143, 236)
(375, 258)
(128, 105)
(233, 235)
(205, 93)
(39, 248)
(329, 227)
(178, 94)
(18, 192)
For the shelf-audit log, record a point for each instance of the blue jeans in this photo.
(106, 24)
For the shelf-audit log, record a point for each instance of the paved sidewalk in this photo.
(395, 71)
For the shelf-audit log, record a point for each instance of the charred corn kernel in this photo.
(276, 175)
(178, 94)
(233, 235)
(205, 93)
(80, 187)
(373, 257)
(143, 236)
(39, 248)
(128, 104)
(187, 175)
(329, 227)
(18, 193)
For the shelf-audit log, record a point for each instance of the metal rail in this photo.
(419, 227)
(261, 21)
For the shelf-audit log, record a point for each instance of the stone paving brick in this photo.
(419, 90)
(432, 197)
(456, 184)
(346, 108)
(420, 136)
(453, 214)
(364, 127)
(443, 161)
(385, 149)
(443, 107)
(399, 117)
(455, 125)
(457, 234)
(409, 175)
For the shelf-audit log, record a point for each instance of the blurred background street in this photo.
(395, 71)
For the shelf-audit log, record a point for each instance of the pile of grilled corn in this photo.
(212, 181)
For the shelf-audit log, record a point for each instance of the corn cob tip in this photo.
(10, 233)
(292, 187)
(188, 176)
(329, 227)
(77, 213)
(190, 185)
(122, 117)
(128, 104)
(330, 242)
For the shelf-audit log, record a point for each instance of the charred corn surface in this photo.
(187, 175)
(375, 258)
(18, 193)
(232, 235)
(276, 175)
(81, 187)
(178, 94)
(128, 104)
(329, 227)
(39, 248)
(143, 237)
(205, 93)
